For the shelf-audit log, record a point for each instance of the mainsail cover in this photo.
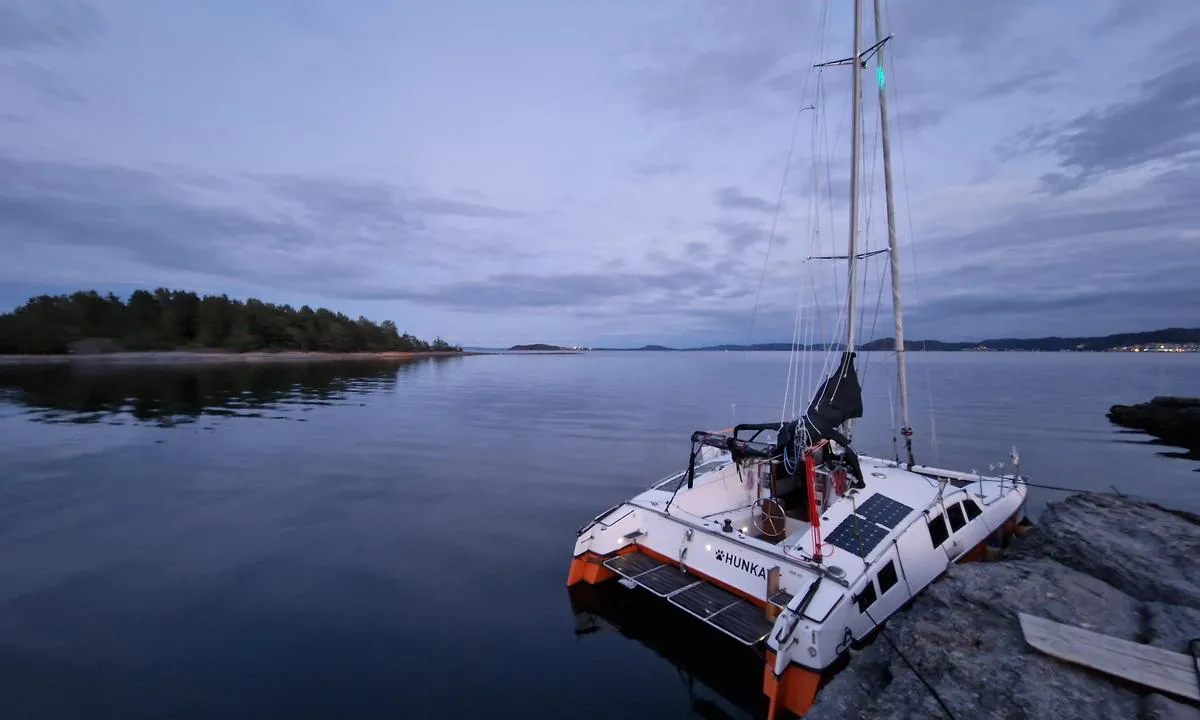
(838, 399)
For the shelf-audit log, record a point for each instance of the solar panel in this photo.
(856, 535)
(883, 510)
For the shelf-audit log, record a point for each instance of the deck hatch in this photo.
(857, 535)
(883, 510)
(703, 600)
(664, 580)
(744, 622)
(631, 565)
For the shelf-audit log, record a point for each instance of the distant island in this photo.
(1166, 340)
(86, 323)
(537, 346)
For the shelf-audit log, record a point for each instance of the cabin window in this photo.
(973, 510)
(887, 577)
(957, 519)
(938, 532)
(866, 597)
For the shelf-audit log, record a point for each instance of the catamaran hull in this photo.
(741, 586)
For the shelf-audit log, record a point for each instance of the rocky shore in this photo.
(1174, 420)
(1115, 565)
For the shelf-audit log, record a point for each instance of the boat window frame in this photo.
(941, 520)
(868, 591)
(893, 579)
(956, 510)
(970, 503)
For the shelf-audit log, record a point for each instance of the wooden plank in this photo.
(1169, 672)
(772, 611)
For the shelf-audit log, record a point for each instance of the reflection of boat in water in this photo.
(778, 535)
(723, 678)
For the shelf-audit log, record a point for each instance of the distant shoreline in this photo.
(197, 357)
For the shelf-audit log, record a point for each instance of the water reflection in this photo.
(168, 396)
(722, 678)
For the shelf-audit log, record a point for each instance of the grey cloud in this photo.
(31, 28)
(733, 52)
(43, 81)
(375, 200)
(698, 249)
(680, 281)
(1038, 77)
(444, 206)
(652, 170)
(32, 24)
(144, 214)
(968, 28)
(1125, 15)
(376, 204)
(731, 198)
(511, 291)
(1086, 312)
(1157, 212)
(1159, 124)
(739, 234)
(333, 237)
(1128, 264)
(915, 119)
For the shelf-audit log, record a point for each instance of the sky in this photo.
(609, 173)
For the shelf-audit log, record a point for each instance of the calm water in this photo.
(393, 540)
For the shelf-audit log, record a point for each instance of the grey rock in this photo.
(1175, 420)
(1171, 626)
(1142, 549)
(1092, 561)
(1158, 707)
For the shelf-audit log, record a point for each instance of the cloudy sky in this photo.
(613, 172)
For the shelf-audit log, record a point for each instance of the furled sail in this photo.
(838, 399)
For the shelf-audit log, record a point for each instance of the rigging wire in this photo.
(818, 44)
(775, 218)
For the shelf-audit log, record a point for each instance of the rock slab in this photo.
(1174, 420)
(1122, 567)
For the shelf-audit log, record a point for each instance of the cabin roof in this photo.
(856, 529)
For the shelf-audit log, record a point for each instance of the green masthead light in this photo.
(880, 74)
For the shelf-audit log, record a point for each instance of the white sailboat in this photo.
(779, 534)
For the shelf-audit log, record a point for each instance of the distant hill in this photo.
(537, 346)
(1180, 336)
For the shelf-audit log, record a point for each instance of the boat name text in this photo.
(740, 563)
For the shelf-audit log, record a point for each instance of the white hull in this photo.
(880, 550)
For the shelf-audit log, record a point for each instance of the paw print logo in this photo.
(720, 554)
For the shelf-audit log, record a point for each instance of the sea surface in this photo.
(392, 540)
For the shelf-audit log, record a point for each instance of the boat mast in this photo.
(855, 125)
(901, 373)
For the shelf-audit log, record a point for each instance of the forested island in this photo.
(87, 323)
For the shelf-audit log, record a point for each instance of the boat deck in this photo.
(737, 618)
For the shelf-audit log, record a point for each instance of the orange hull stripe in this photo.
(794, 691)
(589, 567)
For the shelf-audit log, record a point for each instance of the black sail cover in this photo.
(838, 399)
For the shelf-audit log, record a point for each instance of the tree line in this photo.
(164, 319)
